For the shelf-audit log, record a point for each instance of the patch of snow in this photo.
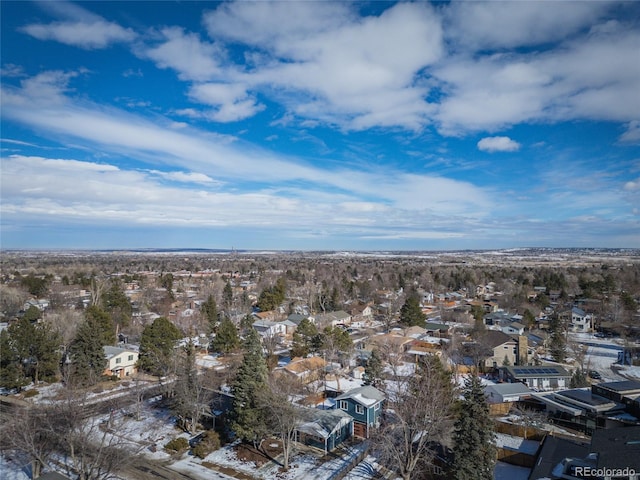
(506, 471)
(517, 443)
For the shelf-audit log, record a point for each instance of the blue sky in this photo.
(320, 125)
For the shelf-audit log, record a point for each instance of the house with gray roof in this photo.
(364, 404)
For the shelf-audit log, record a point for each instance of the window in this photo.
(118, 360)
(359, 409)
(377, 407)
(130, 358)
(342, 405)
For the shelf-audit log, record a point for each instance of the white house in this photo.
(578, 320)
(269, 329)
(514, 328)
(121, 361)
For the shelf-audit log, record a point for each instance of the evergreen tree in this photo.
(227, 296)
(305, 339)
(411, 313)
(117, 305)
(374, 370)
(88, 361)
(32, 314)
(557, 342)
(246, 324)
(210, 310)
(248, 419)
(474, 438)
(157, 346)
(578, 379)
(11, 372)
(226, 340)
(102, 324)
(272, 297)
(36, 348)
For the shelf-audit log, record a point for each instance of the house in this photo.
(269, 329)
(268, 316)
(537, 377)
(625, 391)
(503, 349)
(553, 453)
(514, 328)
(437, 329)
(613, 454)
(578, 320)
(339, 317)
(297, 318)
(582, 410)
(325, 429)
(364, 404)
(307, 370)
(506, 392)
(121, 362)
(360, 312)
(389, 343)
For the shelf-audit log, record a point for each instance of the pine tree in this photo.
(248, 419)
(35, 348)
(578, 379)
(557, 343)
(474, 438)
(305, 339)
(227, 296)
(11, 371)
(157, 345)
(226, 340)
(374, 370)
(210, 310)
(117, 305)
(87, 353)
(411, 313)
(102, 324)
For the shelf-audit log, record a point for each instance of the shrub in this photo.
(210, 442)
(177, 445)
(31, 393)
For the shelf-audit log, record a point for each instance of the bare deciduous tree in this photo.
(284, 416)
(417, 420)
(89, 448)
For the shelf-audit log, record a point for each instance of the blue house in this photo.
(325, 429)
(364, 404)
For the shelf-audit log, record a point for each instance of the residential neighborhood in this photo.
(259, 364)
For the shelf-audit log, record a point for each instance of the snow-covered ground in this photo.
(517, 443)
(304, 465)
(505, 471)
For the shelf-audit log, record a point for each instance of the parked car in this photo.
(595, 375)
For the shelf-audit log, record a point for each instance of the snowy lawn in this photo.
(304, 465)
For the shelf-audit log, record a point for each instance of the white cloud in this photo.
(354, 72)
(632, 134)
(593, 78)
(231, 101)
(498, 144)
(79, 27)
(186, 53)
(370, 197)
(73, 191)
(632, 185)
(89, 36)
(487, 25)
